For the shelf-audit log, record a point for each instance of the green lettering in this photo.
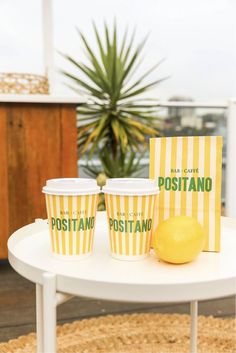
(208, 185)
(81, 224)
(130, 226)
(121, 226)
(144, 225)
(185, 183)
(92, 222)
(115, 225)
(150, 224)
(58, 224)
(137, 227)
(200, 184)
(168, 183)
(53, 222)
(192, 185)
(179, 184)
(87, 222)
(161, 181)
(174, 183)
(64, 224)
(110, 223)
(74, 220)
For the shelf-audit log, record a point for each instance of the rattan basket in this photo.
(23, 83)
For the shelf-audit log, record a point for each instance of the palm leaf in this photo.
(141, 89)
(98, 79)
(94, 91)
(140, 80)
(100, 46)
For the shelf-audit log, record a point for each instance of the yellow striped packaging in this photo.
(188, 173)
(130, 220)
(71, 223)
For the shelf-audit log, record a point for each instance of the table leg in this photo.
(39, 317)
(194, 316)
(49, 313)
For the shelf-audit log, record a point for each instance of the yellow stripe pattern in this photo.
(201, 156)
(125, 241)
(162, 172)
(206, 196)
(173, 174)
(218, 163)
(73, 241)
(195, 174)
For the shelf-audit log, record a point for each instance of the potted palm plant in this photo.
(116, 121)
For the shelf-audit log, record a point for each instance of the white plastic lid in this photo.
(131, 186)
(71, 186)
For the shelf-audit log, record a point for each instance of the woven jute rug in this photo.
(136, 333)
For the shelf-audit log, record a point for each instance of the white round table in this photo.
(211, 275)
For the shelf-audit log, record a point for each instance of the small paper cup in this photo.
(130, 205)
(71, 209)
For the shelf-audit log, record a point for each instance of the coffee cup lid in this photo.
(131, 186)
(71, 186)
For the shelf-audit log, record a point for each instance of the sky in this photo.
(197, 39)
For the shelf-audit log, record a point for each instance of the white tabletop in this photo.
(211, 275)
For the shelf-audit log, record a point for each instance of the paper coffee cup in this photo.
(130, 204)
(71, 209)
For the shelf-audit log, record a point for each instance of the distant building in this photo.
(190, 121)
(184, 117)
(180, 120)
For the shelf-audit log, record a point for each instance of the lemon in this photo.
(179, 239)
(101, 179)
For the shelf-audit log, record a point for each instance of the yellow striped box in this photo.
(71, 209)
(130, 204)
(188, 173)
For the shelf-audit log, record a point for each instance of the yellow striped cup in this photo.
(130, 204)
(71, 209)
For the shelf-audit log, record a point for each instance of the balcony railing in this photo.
(185, 104)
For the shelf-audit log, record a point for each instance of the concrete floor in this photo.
(17, 306)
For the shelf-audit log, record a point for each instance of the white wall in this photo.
(20, 36)
(197, 38)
